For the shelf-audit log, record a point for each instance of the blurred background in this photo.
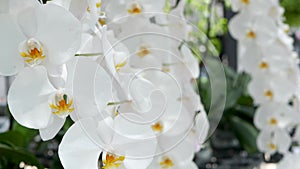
(233, 144)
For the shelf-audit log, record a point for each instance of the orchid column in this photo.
(266, 53)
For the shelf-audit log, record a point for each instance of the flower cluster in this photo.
(119, 69)
(266, 53)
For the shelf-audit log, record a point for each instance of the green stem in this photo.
(89, 54)
(118, 103)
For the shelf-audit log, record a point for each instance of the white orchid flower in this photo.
(283, 45)
(254, 61)
(148, 44)
(14, 7)
(271, 89)
(92, 88)
(77, 7)
(11, 61)
(123, 144)
(199, 133)
(190, 98)
(155, 91)
(272, 116)
(112, 61)
(269, 8)
(250, 5)
(37, 44)
(89, 12)
(175, 127)
(267, 55)
(258, 29)
(275, 11)
(183, 67)
(133, 8)
(180, 156)
(35, 103)
(143, 99)
(177, 23)
(272, 142)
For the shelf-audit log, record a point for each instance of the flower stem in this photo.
(89, 54)
(117, 103)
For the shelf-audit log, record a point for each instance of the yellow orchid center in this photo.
(245, 1)
(251, 34)
(157, 127)
(166, 69)
(33, 53)
(269, 94)
(102, 21)
(143, 51)
(120, 65)
(135, 9)
(287, 30)
(112, 161)
(264, 65)
(166, 163)
(63, 106)
(116, 113)
(98, 4)
(102, 18)
(272, 146)
(273, 121)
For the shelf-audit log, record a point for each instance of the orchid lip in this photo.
(143, 51)
(135, 9)
(157, 127)
(32, 52)
(166, 163)
(112, 161)
(62, 105)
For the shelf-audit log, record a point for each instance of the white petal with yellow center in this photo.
(134, 8)
(272, 116)
(112, 161)
(61, 104)
(32, 51)
(62, 40)
(276, 141)
(28, 98)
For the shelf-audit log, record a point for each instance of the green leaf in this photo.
(217, 43)
(167, 6)
(245, 132)
(234, 92)
(246, 100)
(205, 92)
(13, 138)
(236, 86)
(67, 124)
(248, 111)
(292, 11)
(28, 134)
(16, 155)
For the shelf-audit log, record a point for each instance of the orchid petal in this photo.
(28, 98)
(52, 129)
(76, 150)
(11, 61)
